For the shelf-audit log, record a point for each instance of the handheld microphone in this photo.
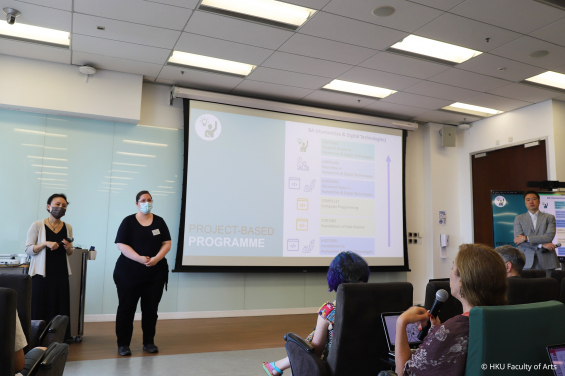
(441, 297)
(545, 250)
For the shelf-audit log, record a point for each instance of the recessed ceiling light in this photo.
(434, 50)
(384, 11)
(358, 89)
(234, 68)
(470, 109)
(271, 12)
(538, 54)
(29, 33)
(548, 79)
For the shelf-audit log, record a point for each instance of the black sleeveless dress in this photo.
(50, 295)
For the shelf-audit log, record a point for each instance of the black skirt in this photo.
(50, 295)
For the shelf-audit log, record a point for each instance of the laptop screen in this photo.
(389, 320)
(557, 356)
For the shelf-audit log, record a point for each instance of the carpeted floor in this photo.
(224, 363)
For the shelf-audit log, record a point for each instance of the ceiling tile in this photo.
(520, 50)
(235, 30)
(415, 100)
(40, 16)
(331, 99)
(265, 90)
(552, 33)
(468, 33)
(35, 51)
(198, 79)
(432, 89)
(137, 11)
(116, 64)
(439, 4)
(488, 64)
(408, 16)
(222, 49)
(191, 4)
(122, 50)
(561, 98)
(307, 65)
(384, 109)
(281, 77)
(525, 93)
(377, 78)
(523, 16)
(326, 49)
(167, 82)
(57, 4)
(124, 31)
(446, 117)
(496, 102)
(346, 30)
(468, 80)
(312, 4)
(404, 65)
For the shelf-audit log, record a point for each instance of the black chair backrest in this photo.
(562, 292)
(450, 308)
(22, 284)
(558, 275)
(533, 273)
(358, 339)
(531, 290)
(8, 300)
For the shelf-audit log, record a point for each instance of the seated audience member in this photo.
(21, 342)
(477, 278)
(346, 267)
(513, 258)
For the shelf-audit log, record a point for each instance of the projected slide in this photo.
(274, 189)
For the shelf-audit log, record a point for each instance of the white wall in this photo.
(156, 109)
(59, 89)
(559, 137)
(525, 124)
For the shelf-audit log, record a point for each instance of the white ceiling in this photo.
(344, 40)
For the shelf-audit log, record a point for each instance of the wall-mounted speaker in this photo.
(448, 136)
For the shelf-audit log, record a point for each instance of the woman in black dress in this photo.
(49, 267)
(141, 272)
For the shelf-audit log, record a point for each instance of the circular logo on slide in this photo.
(500, 201)
(208, 127)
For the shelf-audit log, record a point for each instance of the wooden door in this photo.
(507, 169)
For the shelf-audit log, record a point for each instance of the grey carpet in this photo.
(225, 363)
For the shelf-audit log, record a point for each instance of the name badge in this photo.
(156, 232)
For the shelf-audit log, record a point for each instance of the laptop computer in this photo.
(389, 324)
(557, 356)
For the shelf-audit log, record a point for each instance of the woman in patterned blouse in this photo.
(477, 278)
(347, 267)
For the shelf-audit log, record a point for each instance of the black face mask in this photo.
(57, 212)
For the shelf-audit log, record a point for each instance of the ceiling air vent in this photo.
(553, 3)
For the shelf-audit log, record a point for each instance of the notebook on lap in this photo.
(389, 323)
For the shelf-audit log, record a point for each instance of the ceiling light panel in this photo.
(271, 12)
(434, 50)
(36, 34)
(471, 109)
(210, 64)
(358, 89)
(549, 79)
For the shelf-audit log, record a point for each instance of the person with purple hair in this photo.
(346, 267)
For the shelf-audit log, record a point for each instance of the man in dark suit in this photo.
(533, 233)
(514, 260)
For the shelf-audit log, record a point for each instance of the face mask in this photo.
(57, 212)
(146, 207)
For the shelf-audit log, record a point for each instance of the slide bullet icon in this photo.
(302, 204)
(302, 224)
(294, 183)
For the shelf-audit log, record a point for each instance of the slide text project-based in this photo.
(271, 189)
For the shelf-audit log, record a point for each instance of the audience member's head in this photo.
(513, 258)
(347, 267)
(479, 276)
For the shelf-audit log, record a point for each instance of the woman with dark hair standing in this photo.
(141, 272)
(49, 267)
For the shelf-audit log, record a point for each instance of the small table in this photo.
(19, 269)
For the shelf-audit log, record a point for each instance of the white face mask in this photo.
(146, 207)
